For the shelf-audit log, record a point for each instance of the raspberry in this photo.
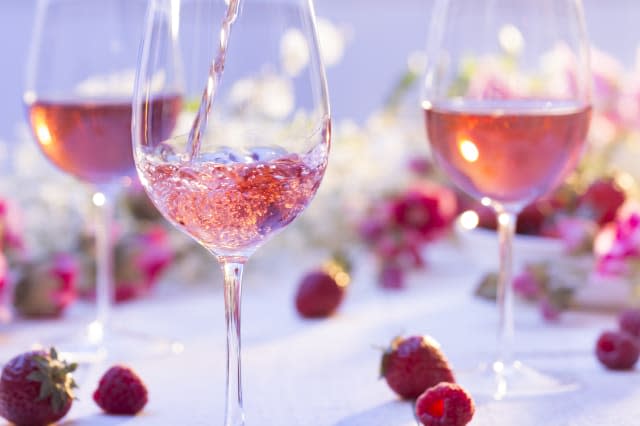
(617, 350)
(121, 391)
(445, 404)
(414, 364)
(629, 322)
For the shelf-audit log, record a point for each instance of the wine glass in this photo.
(80, 76)
(506, 98)
(252, 142)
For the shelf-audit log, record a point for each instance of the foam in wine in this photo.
(91, 139)
(231, 201)
(511, 151)
(213, 80)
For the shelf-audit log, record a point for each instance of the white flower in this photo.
(332, 42)
(294, 52)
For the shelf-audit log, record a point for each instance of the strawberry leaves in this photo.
(55, 378)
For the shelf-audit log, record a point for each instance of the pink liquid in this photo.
(92, 139)
(509, 151)
(232, 207)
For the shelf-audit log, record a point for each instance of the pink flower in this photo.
(46, 287)
(527, 285)
(11, 227)
(427, 210)
(550, 312)
(490, 82)
(619, 244)
(372, 228)
(607, 73)
(4, 289)
(392, 277)
(397, 228)
(156, 255)
(421, 166)
(601, 201)
(576, 233)
(140, 260)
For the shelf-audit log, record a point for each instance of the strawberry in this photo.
(321, 292)
(121, 391)
(413, 364)
(36, 388)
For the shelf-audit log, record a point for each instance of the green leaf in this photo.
(56, 402)
(488, 287)
(45, 391)
(36, 376)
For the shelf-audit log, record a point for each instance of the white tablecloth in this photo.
(325, 373)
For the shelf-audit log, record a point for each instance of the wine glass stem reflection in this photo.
(506, 230)
(103, 201)
(232, 270)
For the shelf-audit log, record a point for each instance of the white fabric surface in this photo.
(325, 373)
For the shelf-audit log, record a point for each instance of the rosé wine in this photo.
(232, 206)
(91, 140)
(511, 151)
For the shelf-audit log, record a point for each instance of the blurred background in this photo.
(377, 38)
(373, 53)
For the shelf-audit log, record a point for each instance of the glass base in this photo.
(101, 344)
(500, 380)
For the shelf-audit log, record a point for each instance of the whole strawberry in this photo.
(36, 388)
(321, 292)
(413, 364)
(121, 391)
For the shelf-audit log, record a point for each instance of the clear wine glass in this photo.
(506, 97)
(80, 76)
(252, 141)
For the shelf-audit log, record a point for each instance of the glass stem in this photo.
(506, 229)
(104, 265)
(232, 270)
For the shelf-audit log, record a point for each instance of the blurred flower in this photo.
(425, 211)
(46, 287)
(619, 246)
(139, 204)
(139, 260)
(391, 277)
(529, 284)
(11, 227)
(398, 227)
(294, 52)
(549, 310)
(577, 234)
(5, 313)
(421, 166)
(268, 95)
(600, 201)
(332, 42)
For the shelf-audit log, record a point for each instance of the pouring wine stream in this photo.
(213, 80)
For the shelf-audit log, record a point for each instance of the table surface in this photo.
(325, 373)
